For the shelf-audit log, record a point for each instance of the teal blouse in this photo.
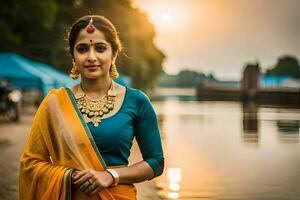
(136, 118)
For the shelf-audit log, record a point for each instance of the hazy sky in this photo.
(220, 36)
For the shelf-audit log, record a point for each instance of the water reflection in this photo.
(288, 125)
(174, 178)
(288, 130)
(203, 141)
(250, 122)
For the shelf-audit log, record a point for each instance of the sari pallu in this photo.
(60, 140)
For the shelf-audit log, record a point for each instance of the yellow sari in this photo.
(60, 140)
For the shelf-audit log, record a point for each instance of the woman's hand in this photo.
(90, 181)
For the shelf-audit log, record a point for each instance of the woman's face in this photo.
(92, 54)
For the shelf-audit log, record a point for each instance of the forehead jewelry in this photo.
(90, 27)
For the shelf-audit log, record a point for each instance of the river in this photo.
(229, 150)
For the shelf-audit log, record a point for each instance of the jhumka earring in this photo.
(74, 74)
(113, 71)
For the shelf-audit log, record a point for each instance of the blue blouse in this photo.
(136, 118)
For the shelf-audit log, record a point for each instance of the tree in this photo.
(286, 65)
(184, 79)
(24, 24)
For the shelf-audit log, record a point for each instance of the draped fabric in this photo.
(59, 141)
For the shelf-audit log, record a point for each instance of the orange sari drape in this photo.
(60, 140)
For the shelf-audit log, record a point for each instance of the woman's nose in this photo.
(92, 57)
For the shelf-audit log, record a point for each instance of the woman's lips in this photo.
(92, 67)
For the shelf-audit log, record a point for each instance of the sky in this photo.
(221, 36)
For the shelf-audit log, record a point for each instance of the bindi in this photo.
(91, 42)
(90, 28)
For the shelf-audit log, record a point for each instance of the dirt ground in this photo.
(12, 140)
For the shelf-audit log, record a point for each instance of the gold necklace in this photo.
(95, 109)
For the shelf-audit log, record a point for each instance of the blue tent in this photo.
(60, 79)
(21, 74)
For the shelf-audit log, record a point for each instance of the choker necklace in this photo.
(95, 109)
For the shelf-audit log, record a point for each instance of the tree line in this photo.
(286, 65)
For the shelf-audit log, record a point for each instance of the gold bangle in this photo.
(115, 176)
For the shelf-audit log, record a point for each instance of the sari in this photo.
(60, 141)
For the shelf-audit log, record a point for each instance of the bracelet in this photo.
(115, 176)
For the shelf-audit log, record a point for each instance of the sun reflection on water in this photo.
(174, 179)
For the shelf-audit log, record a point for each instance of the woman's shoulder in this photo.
(137, 94)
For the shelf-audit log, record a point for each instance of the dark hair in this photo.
(103, 25)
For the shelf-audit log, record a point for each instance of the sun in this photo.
(165, 17)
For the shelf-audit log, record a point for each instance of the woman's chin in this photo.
(93, 75)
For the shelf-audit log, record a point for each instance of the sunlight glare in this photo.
(173, 195)
(165, 17)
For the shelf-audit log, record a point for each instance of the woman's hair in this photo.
(103, 25)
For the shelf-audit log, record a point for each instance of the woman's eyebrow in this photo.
(100, 43)
(97, 43)
(81, 44)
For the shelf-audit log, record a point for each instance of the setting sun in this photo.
(165, 17)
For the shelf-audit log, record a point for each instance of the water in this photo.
(227, 150)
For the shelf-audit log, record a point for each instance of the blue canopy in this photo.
(60, 79)
(21, 74)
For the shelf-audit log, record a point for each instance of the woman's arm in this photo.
(135, 173)
(147, 135)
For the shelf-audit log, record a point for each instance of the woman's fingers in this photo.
(79, 174)
(84, 178)
(83, 186)
(73, 175)
(92, 189)
(95, 190)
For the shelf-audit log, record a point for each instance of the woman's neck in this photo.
(96, 87)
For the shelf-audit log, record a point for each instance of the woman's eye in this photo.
(100, 48)
(82, 49)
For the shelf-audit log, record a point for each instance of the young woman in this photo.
(80, 139)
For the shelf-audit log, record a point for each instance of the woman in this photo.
(81, 137)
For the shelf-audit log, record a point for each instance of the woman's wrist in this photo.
(115, 176)
(109, 180)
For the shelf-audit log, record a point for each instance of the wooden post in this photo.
(250, 81)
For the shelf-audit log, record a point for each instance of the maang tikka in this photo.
(90, 28)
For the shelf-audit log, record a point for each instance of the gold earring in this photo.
(113, 71)
(74, 74)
